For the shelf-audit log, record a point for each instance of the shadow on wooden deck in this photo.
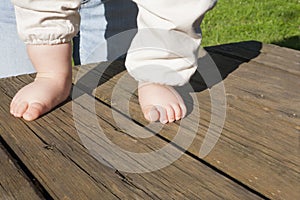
(215, 63)
(224, 66)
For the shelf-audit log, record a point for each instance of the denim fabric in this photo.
(101, 20)
(13, 56)
(92, 30)
(121, 15)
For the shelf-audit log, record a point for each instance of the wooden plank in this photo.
(58, 173)
(263, 140)
(277, 57)
(56, 130)
(171, 181)
(270, 82)
(14, 184)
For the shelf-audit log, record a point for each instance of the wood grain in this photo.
(52, 150)
(260, 141)
(14, 183)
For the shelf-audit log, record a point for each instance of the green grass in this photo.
(268, 21)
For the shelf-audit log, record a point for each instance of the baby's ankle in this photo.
(58, 78)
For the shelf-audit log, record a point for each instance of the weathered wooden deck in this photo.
(256, 157)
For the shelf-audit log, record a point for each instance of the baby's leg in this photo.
(164, 51)
(52, 83)
(160, 102)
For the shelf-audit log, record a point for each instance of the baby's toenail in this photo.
(27, 116)
(153, 115)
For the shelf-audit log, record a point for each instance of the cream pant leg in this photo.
(166, 45)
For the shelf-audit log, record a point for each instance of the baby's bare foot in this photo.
(40, 96)
(160, 102)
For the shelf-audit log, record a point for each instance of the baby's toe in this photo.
(183, 110)
(170, 114)
(34, 111)
(20, 109)
(163, 115)
(151, 114)
(12, 107)
(177, 111)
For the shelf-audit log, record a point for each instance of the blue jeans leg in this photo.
(120, 16)
(13, 57)
(99, 22)
(92, 30)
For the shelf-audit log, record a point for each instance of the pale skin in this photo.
(54, 79)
